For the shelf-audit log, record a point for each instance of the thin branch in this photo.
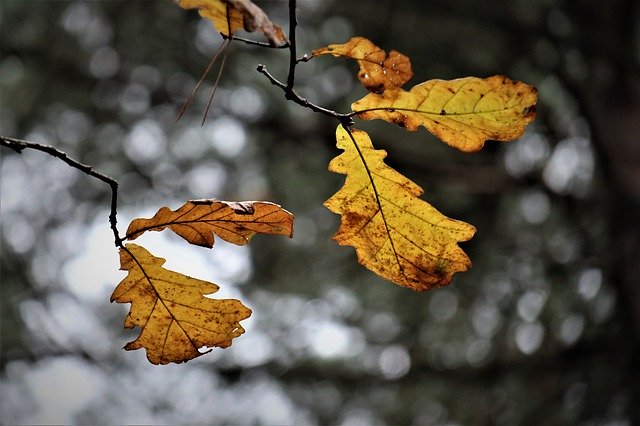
(292, 95)
(293, 23)
(254, 42)
(18, 145)
(288, 88)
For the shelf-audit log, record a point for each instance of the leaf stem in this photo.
(18, 145)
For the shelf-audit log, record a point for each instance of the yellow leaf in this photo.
(174, 317)
(378, 71)
(395, 234)
(236, 222)
(464, 113)
(228, 16)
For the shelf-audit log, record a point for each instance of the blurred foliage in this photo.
(543, 329)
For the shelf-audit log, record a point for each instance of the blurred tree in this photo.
(544, 329)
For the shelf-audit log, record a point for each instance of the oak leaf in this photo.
(395, 234)
(378, 71)
(463, 113)
(176, 321)
(228, 16)
(236, 222)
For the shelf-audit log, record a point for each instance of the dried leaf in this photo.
(228, 16)
(378, 71)
(174, 317)
(464, 113)
(395, 234)
(235, 222)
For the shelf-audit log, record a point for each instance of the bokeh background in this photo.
(544, 329)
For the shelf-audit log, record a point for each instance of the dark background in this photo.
(544, 329)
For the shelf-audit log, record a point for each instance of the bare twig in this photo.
(293, 23)
(254, 42)
(18, 145)
(288, 88)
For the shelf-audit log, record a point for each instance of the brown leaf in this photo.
(228, 16)
(395, 234)
(236, 222)
(463, 113)
(378, 71)
(176, 321)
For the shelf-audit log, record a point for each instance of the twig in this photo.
(288, 88)
(255, 42)
(292, 95)
(18, 145)
(293, 23)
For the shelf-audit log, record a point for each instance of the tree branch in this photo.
(293, 22)
(288, 88)
(18, 145)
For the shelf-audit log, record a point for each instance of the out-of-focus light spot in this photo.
(207, 39)
(106, 94)
(574, 395)
(188, 143)
(359, 417)
(563, 246)
(336, 28)
(498, 289)
(93, 273)
(91, 30)
(12, 71)
(343, 302)
(452, 355)
(306, 231)
(589, 283)
(429, 412)
(558, 23)
(146, 142)
(61, 388)
(383, 327)
(76, 17)
(529, 337)
(478, 351)
(486, 319)
(147, 76)
(527, 155)
(247, 102)
(73, 127)
(570, 168)
(530, 305)
(443, 305)
(603, 305)
(228, 136)
(333, 83)
(206, 180)
(571, 329)
(330, 340)
(18, 233)
(104, 63)
(135, 99)
(535, 206)
(252, 349)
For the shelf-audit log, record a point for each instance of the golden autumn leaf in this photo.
(463, 113)
(395, 234)
(378, 71)
(236, 222)
(228, 16)
(174, 317)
